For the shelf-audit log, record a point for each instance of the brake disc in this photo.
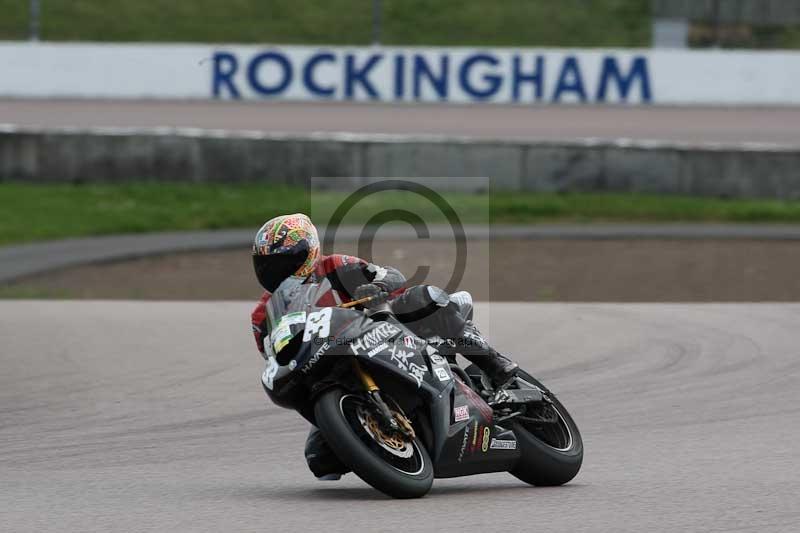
(394, 444)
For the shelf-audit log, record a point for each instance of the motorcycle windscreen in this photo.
(287, 312)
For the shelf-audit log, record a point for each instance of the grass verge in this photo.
(411, 22)
(599, 23)
(41, 212)
(26, 291)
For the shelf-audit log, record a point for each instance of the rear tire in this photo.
(411, 477)
(553, 463)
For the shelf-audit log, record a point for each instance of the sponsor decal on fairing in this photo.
(463, 444)
(461, 413)
(485, 442)
(378, 349)
(374, 337)
(318, 323)
(441, 373)
(476, 401)
(401, 358)
(437, 359)
(269, 373)
(315, 358)
(282, 333)
(498, 444)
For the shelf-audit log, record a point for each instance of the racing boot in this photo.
(321, 460)
(499, 369)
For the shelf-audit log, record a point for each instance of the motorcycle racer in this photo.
(287, 247)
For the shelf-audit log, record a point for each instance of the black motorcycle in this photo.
(398, 411)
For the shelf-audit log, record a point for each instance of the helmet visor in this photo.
(272, 269)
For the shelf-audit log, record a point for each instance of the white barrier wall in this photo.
(459, 75)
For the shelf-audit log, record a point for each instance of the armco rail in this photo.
(192, 155)
(28, 259)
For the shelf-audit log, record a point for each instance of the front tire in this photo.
(550, 456)
(403, 471)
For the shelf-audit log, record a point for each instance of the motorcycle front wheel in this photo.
(400, 469)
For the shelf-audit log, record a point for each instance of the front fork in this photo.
(396, 422)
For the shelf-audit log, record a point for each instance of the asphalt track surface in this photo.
(688, 124)
(122, 416)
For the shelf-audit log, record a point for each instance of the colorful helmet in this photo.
(285, 246)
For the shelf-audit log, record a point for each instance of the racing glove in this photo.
(373, 291)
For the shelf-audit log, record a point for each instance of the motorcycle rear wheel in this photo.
(550, 455)
(400, 470)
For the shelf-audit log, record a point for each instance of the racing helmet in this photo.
(285, 246)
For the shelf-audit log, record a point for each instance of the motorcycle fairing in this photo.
(468, 446)
(313, 354)
(460, 447)
(465, 440)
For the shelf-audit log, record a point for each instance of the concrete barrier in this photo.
(110, 155)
